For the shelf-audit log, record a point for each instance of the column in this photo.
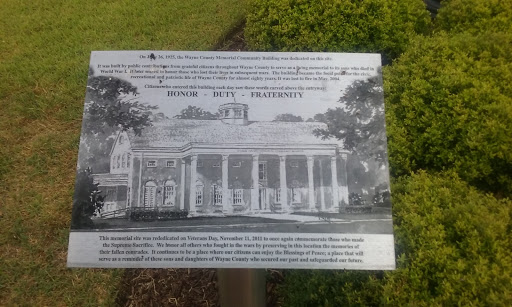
(344, 188)
(226, 206)
(255, 184)
(311, 184)
(335, 187)
(267, 202)
(193, 179)
(140, 200)
(283, 184)
(182, 184)
(322, 194)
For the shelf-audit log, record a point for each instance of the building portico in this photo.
(247, 182)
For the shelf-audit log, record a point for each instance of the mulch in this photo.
(181, 287)
(187, 287)
(168, 287)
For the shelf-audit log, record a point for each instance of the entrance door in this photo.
(263, 198)
(149, 194)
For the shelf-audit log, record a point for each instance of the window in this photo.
(262, 171)
(170, 163)
(294, 164)
(226, 113)
(216, 164)
(199, 197)
(278, 195)
(199, 193)
(118, 161)
(246, 114)
(152, 163)
(169, 193)
(128, 159)
(121, 139)
(149, 194)
(296, 195)
(113, 162)
(123, 164)
(237, 196)
(217, 194)
(238, 113)
(110, 194)
(237, 164)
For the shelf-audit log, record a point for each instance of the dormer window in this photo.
(238, 113)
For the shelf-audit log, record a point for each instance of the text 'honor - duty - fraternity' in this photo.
(232, 94)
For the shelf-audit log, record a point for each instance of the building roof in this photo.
(175, 133)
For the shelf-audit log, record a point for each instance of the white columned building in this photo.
(227, 166)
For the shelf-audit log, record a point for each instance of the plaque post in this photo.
(242, 287)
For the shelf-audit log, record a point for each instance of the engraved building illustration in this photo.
(225, 166)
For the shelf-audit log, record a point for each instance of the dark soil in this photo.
(186, 287)
(234, 41)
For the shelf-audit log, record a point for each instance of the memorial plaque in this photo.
(233, 160)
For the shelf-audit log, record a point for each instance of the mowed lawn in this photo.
(44, 54)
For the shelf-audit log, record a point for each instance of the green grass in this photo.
(44, 55)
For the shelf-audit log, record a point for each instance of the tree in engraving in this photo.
(359, 121)
(193, 112)
(288, 117)
(87, 200)
(111, 103)
(111, 106)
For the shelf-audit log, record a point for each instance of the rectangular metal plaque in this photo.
(233, 160)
